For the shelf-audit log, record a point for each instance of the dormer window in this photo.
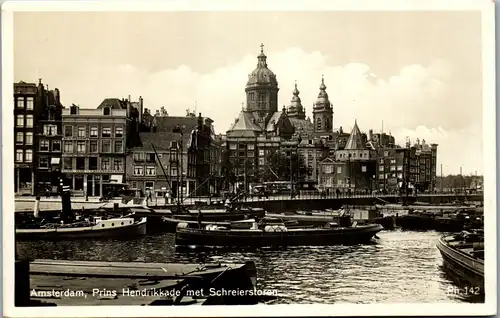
(107, 110)
(73, 110)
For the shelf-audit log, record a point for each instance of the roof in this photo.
(161, 140)
(245, 122)
(168, 123)
(355, 140)
(114, 103)
(302, 126)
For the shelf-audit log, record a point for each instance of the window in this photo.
(382, 161)
(363, 168)
(29, 121)
(250, 154)
(393, 161)
(119, 147)
(94, 132)
(19, 155)
(261, 152)
(262, 100)
(67, 163)
(43, 163)
(400, 167)
(93, 163)
(68, 146)
(139, 156)
(340, 182)
(393, 168)
(232, 146)
(93, 146)
(400, 175)
(44, 145)
(28, 155)
(339, 169)
(151, 157)
(19, 138)
(68, 131)
(107, 110)
(29, 138)
(73, 110)
(138, 170)
(20, 121)
(29, 103)
(80, 163)
(150, 170)
(20, 102)
(49, 130)
(381, 176)
(381, 168)
(173, 144)
(118, 131)
(106, 132)
(106, 146)
(134, 184)
(318, 124)
(117, 165)
(56, 145)
(386, 153)
(105, 164)
(149, 185)
(251, 146)
(261, 162)
(81, 131)
(80, 146)
(241, 154)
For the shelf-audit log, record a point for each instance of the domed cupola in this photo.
(262, 76)
(262, 90)
(322, 111)
(322, 101)
(296, 110)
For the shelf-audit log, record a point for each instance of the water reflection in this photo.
(399, 267)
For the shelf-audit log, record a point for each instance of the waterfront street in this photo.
(398, 267)
(25, 203)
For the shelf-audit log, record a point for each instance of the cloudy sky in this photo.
(417, 72)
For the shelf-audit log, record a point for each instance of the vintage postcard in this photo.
(255, 158)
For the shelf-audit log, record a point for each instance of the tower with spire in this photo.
(296, 110)
(322, 111)
(262, 90)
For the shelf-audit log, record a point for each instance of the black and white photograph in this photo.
(311, 158)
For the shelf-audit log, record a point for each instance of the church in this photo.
(262, 128)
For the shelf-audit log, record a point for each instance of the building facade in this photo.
(94, 143)
(25, 95)
(48, 139)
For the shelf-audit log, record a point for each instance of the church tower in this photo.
(322, 111)
(262, 91)
(296, 110)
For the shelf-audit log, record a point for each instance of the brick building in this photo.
(94, 142)
(48, 138)
(24, 137)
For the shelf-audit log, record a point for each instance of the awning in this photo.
(116, 178)
(55, 161)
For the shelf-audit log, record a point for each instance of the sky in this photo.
(413, 74)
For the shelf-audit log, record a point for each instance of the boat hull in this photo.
(293, 237)
(464, 269)
(120, 231)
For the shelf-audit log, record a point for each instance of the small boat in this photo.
(124, 227)
(463, 259)
(274, 236)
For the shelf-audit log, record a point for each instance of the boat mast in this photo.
(162, 169)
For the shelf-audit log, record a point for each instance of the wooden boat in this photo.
(463, 259)
(224, 217)
(125, 227)
(275, 236)
(442, 221)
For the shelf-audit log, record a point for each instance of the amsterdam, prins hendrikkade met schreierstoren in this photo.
(88, 147)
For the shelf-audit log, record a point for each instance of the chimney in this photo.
(370, 134)
(140, 109)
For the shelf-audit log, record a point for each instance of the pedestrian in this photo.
(200, 219)
(148, 195)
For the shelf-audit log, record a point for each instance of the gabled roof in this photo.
(327, 160)
(161, 140)
(355, 141)
(245, 122)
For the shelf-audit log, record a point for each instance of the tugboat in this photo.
(463, 259)
(70, 226)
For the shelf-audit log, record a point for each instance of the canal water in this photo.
(401, 266)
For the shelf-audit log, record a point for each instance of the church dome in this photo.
(323, 95)
(262, 75)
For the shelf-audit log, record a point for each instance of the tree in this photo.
(278, 167)
(228, 169)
